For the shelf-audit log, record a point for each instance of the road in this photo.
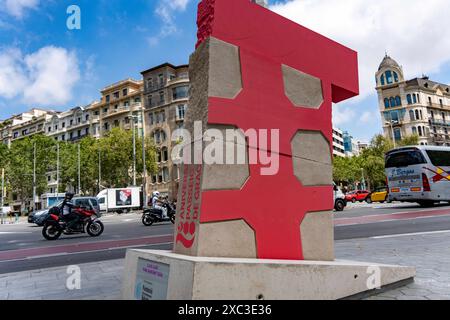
(22, 246)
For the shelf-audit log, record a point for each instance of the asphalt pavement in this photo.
(22, 246)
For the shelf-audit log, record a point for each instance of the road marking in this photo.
(411, 234)
(398, 216)
(12, 232)
(83, 247)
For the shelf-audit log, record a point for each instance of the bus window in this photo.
(439, 158)
(404, 159)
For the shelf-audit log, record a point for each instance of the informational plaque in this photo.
(152, 279)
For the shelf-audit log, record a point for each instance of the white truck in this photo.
(120, 200)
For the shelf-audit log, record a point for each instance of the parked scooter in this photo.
(152, 215)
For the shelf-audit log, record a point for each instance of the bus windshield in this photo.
(439, 158)
(404, 159)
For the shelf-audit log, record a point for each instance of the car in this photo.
(379, 195)
(339, 199)
(39, 217)
(359, 195)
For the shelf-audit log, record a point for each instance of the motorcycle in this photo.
(55, 226)
(152, 215)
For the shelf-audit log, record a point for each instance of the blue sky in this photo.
(43, 64)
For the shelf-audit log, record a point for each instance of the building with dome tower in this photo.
(412, 107)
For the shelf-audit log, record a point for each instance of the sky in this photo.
(44, 64)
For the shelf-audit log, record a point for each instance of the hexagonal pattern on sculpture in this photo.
(311, 156)
(302, 89)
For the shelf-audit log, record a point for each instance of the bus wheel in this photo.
(427, 204)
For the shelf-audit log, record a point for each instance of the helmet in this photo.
(69, 196)
(156, 193)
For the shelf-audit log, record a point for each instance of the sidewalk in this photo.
(429, 253)
(99, 281)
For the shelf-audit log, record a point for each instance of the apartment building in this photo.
(166, 94)
(120, 103)
(71, 126)
(417, 106)
(24, 124)
(338, 143)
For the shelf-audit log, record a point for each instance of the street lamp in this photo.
(391, 124)
(144, 166)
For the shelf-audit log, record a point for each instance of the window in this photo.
(79, 133)
(49, 129)
(420, 132)
(429, 100)
(87, 117)
(443, 116)
(106, 126)
(105, 110)
(56, 127)
(417, 114)
(79, 119)
(404, 159)
(421, 117)
(181, 111)
(125, 92)
(161, 79)
(165, 154)
(149, 83)
(397, 134)
(414, 98)
(382, 80)
(432, 114)
(395, 76)
(150, 100)
(389, 77)
(116, 123)
(408, 98)
(127, 120)
(96, 113)
(63, 137)
(86, 131)
(116, 95)
(160, 176)
(180, 92)
(63, 124)
(162, 117)
(439, 158)
(24, 132)
(71, 135)
(116, 107)
(137, 100)
(152, 119)
(107, 98)
(392, 101)
(386, 103)
(411, 115)
(126, 104)
(161, 97)
(414, 130)
(398, 101)
(71, 122)
(166, 174)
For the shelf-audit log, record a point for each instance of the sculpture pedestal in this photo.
(161, 275)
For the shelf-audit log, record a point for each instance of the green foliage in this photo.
(370, 162)
(116, 158)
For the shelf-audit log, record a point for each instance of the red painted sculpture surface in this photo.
(273, 206)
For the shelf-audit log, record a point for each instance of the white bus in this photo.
(419, 174)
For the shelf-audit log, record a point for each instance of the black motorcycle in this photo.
(152, 215)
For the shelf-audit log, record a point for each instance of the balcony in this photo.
(439, 123)
(178, 80)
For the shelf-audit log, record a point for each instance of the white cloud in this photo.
(43, 78)
(17, 8)
(343, 115)
(367, 117)
(12, 77)
(412, 31)
(166, 11)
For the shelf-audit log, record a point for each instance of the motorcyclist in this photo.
(158, 204)
(68, 213)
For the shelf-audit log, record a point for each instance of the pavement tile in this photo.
(411, 298)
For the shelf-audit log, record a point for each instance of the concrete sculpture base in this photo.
(164, 275)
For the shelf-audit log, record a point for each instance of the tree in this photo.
(412, 140)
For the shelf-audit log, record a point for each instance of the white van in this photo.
(120, 200)
(419, 174)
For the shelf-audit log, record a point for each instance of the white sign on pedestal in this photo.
(152, 280)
